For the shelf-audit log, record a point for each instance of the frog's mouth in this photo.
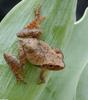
(53, 67)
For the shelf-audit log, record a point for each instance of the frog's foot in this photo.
(20, 78)
(15, 67)
(41, 82)
(42, 76)
(37, 12)
(38, 16)
(59, 53)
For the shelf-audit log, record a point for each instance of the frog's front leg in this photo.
(16, 65)
(42, 75)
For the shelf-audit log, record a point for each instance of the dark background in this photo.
(6, 5)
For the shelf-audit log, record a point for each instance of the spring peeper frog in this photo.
(34, 50)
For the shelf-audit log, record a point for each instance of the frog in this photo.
(34, 50)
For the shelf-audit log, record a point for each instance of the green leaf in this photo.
(81, 89)
(59, 31)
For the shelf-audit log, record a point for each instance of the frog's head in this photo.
(54, 67)
(29, 33)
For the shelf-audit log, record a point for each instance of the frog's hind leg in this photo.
(15, 66)
(38, 19)
(38, 14)
(22, 56)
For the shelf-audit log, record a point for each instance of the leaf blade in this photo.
(57, 26)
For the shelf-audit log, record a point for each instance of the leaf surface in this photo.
(59, 31)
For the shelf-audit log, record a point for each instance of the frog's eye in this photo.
(53, 67)
(34, 33)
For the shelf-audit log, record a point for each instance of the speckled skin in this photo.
(34, 50)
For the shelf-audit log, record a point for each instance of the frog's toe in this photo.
(41, 82)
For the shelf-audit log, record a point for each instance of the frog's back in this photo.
(40, 53)
(36, 50)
